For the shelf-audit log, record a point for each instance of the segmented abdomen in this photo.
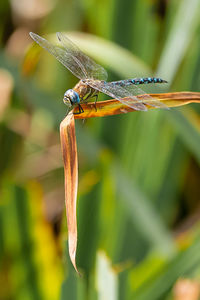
(137, 81)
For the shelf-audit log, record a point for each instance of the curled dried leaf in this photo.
(69, 151)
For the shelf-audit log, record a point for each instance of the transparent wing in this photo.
(65, 58)
(71, 57)
(131, 92)
(93, 70)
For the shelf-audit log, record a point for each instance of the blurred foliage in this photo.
(139, 174)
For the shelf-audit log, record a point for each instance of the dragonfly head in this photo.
(71, 98)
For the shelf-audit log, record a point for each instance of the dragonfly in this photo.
(93, 78)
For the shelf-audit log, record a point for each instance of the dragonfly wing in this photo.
(67, 59)
(93, 70)
(127, 95)
(119, 93)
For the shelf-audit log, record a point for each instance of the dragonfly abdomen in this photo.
(138, 81)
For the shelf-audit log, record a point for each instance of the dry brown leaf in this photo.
(69, 151)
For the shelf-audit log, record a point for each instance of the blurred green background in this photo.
(139, 174)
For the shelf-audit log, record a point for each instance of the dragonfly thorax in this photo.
(71, 98)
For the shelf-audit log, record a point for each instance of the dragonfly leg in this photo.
(96, 97)
(80, 111)
(93, 96)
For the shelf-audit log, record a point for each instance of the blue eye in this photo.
(75, 98)
(72, 97)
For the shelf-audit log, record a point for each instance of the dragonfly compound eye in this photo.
(71, 98)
